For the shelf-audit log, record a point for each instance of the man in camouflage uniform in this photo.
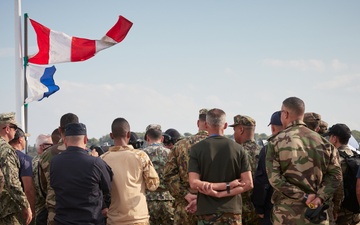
(42, 143)
(176, 173)
(339, 135)
(160, 202)
(13, 203)
(44, 165)
(244, 134)
(302, 166)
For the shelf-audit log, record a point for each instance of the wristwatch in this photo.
(228, 187)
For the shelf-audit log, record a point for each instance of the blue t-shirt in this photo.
(25, 164)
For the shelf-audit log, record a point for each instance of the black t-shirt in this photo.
(218, 159)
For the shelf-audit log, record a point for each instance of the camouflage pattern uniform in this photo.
(176, 176)
(40, 195)
(160, 202)
(2, 181)
(13, 198)
(249, 215)
(345, 217)
(44, 167)
(299, 161)
(220, 219)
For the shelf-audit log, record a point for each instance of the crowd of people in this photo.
(166, 179)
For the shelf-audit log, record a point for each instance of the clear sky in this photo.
(244, 57)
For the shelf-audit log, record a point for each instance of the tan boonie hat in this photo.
(311, 117)
(153, 126)
(203, 111)
(6, 118)
(243, 120)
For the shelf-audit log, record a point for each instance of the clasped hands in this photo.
(210, 189)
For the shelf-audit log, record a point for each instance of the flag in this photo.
(57, 47)
(40, 82)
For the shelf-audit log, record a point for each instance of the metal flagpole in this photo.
(25, 82)
(19, 81)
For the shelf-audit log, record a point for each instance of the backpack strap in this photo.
(344, 154)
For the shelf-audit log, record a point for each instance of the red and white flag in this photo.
(57, 47)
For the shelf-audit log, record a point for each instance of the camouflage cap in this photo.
(153, 126)
(311, 117)
(323, 127)
(243, 120)
(6, 118)
(203, 111)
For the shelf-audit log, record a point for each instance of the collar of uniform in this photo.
(202, 132)
(346, 149)
(295, 123)
(120, 148)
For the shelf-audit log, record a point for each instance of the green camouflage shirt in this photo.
(176, 167)
(158, 155)
(248, 210)
(40, 196)
(339, 194)
(300, 161)
(1, 182)
(12, 198)
(44, 167)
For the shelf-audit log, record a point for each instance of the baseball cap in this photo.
(20, 133)
(243, 120)
(75, 129)
(339, 130)
(275, 119)
(311, 117)
(6, 118)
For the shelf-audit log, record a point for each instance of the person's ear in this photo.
(85, 139)
(225, 125)
(111, 136)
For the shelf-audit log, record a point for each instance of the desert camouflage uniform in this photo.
(176, 176)
(160, 202)
(249, 215)
(2, 181)
(300, 161)
(13, 198)
(40, 195)
(345, 217)
(220, 219)
(44, 167)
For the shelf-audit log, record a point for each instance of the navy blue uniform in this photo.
(261, 196)
(80, 181)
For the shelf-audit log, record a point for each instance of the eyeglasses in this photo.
(13, 126)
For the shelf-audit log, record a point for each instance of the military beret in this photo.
(75, 129)
(6, 118)
(153, 126)
(243, 120)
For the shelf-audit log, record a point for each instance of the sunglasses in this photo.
(13, 126)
